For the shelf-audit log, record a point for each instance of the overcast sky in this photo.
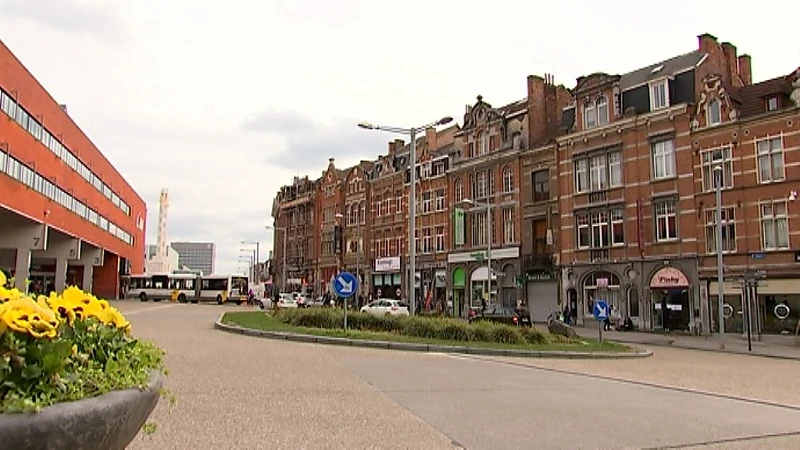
(223, 102)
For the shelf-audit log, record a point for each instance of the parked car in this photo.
(284, 301)
(385, 306)
(300, 299)
(502, 314)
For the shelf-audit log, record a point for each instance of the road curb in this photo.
(409, 346)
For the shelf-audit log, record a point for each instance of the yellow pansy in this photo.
(23, 315)
(112, 316)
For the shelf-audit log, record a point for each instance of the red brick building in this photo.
(294, 216)
(67, 216)
(356, 224)
(485, 173)
(329, 221)
(635, 190)
(389, 218)
(432, 225)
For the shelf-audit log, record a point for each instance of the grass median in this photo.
(419, 330)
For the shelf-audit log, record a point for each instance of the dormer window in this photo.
(482, 144)
(659, 95)
(595, 113)
(589, 115)
(602, 111)
(772, 104)
(713, 113)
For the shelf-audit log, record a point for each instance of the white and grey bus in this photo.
(157, 287)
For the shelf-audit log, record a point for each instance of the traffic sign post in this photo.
(345, 285)
(600, 312)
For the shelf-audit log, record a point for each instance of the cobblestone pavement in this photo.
(239, 392)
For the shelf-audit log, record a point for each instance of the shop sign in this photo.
(388, 264)
(667, 278)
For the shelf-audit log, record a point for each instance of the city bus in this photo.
(222, 289)
(157, 287)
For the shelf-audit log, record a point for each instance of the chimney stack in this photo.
(732, 62)
(745, 70)
(706, 42)
(330, 161)
(430, 137)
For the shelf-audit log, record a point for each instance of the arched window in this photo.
(602, 111)
(482, 144)
(589, 115)
(508, 180)
(349, 214)
(601, 285)
(363, 211)
(458, 190)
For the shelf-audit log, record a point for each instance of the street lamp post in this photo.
(488, 240)
(258, 256)
(252, 271)
(720, 280)
(412, 197)
(283, 262)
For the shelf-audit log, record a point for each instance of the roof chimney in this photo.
(330, 161)
(745, 70)
(706, 42)
(732, 62)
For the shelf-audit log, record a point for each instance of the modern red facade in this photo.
(54, 178)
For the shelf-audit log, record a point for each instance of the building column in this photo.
(88, 273)
(22, 269)
(61, 274)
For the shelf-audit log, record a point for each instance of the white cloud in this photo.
(223, 102)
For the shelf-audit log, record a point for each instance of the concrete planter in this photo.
(108, 422)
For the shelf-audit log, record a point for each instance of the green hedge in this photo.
(421, 327)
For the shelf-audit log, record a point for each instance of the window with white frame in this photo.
(508, 180)
(479, 188)
(583, 235)
(399, 203)
(440, 200)
(458, 191)
(666, 220)
(772, 103)
(589, 115)
(774, 225)
(714, 113)
(427, 240)
(602, 111)
(389, 202)
(508, 226)
(478, 226)
(598, 172)
(770, 159)
(599, 229)
(728, 230)
(363, 215)
(663, 154)
(427, 203)
(659, 95)
(425, 170)
(617, 226)
(717, 157)
(482, 144)
(440, 238)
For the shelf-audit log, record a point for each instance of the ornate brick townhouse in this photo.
(293, 211)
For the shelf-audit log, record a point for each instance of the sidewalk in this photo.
(782, 347)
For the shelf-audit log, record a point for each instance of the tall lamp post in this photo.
(249, 260)
(283, 256)
(257, 273)
(412, 197)
(720, 281)
(488, 239)
(252, 273)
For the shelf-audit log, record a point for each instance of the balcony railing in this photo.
(537, 261)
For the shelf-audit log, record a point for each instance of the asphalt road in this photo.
(239, 392)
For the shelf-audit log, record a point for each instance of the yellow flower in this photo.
(23, 315)
(113, 317)
(2, 279)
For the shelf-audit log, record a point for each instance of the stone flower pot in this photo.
(108, 422)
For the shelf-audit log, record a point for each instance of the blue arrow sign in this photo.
(600, 310)
(345, 284)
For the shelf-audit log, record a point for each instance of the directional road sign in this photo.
(600, 310)
(345, 284)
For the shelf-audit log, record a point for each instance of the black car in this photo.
(503, 314)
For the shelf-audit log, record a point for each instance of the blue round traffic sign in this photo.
(600, 310)
(345, 284)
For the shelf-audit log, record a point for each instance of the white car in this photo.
(386, 306)
(284, 301)
(300, 299)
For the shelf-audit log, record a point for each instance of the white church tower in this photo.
(161, 258)
(161, 238)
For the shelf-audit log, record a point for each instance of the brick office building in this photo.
(485, 171)
(432, 216)
(356, 224)
(631, 184)
(389, 218)
(67, 216)
(293, 212)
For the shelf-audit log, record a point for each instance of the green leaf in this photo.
(31, 371)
